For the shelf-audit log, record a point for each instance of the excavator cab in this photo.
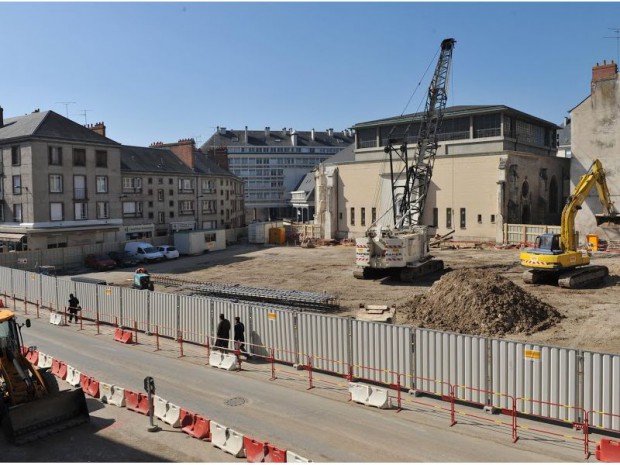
(547, 243)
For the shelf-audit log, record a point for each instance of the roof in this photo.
(49, 125)
(453, 112)
(346, 154)
(564, 134)
(205, 165)
(150, 159)
(281, 138)
(307, 183)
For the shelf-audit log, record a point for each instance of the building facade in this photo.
(595, 134)
(59, 183)
(273, 163)
(494, 165)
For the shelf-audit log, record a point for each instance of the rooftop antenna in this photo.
(66, 104)
(84, 115)
(617, 37)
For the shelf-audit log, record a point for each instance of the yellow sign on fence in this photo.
(532, 354)
(272, 316)
(108, 291)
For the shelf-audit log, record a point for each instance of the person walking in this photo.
(223, 333)
(74, 304)
(239, 336)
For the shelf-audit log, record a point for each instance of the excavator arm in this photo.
(594, 177)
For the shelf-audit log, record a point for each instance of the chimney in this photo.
(156, 145)
(330, 132)
(267, 131)
(184, 150)
(246, 135)
(293, 138)
(604, 71)
(219, 155)
(99, 128)
(221, 131)
(1, 117)
(312, 134)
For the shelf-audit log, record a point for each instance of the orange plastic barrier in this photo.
(93, 388)
(254, 450)
(55, 370)
(126, 337)
(33, 357)
(137, 402)
(274, 454)
(195, 425)
(84, 382)
(62, 371)
(608, 450)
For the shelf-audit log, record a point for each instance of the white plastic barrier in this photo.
(293, 457)
(228, 440)
(45, 361)
(370, 395)
(56, 319)
(111, 394)
(173, 416)
(215, 358)
(229, 362)
(160, 406)
(73, 376)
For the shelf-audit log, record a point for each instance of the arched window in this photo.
(525, 189)
(553, 196)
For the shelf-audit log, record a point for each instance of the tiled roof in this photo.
(49, 125)
(149, 159)
(277, 138)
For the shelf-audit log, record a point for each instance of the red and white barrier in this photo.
(137, 402)
(45, 361)
(370, 395)
(125, 337)
(608, 450)
(295, 458)
(275, 454)
(111, 394)
(255, 451)
(227, 439)
(56, 319)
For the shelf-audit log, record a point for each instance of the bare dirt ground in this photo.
(591, 316)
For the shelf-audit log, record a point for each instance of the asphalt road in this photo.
(320, 424)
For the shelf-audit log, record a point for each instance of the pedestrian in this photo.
(74, 304)
(223, 333)
(239, 335)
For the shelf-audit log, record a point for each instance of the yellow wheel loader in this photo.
(31, 404)
(555, 258)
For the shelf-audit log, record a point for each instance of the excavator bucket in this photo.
(607, 221)
(33, 420)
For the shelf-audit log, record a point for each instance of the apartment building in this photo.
(174, 187)
(273, 163)
(494, 165)
(59, 183)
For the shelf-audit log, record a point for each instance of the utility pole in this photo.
(616, 30)
(66, 104)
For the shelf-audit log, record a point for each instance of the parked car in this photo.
(144, 251)
(169, 251)
(99, 261)
(123, 259)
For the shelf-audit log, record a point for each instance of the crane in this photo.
(555, 257)
(402, 249)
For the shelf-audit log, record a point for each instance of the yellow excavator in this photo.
(31, 404)
(555, 257)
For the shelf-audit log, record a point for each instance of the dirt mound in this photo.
(478, 301)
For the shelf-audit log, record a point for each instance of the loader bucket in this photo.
(607, 221)
(33, 420)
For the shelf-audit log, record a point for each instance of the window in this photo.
(373, 214)
(150, 191)
(161, 217)
(79, 157)
(352, 216)
(186, 206)
(448, 217)
(160, 195)
(435, 217)
(81, 210)
(170, 181)
(17, 184)
(103, 210)
(463, 222)
(132, 184)
(480, 219)
(340, 215)
(171, 203)
(171, 192)
(185, 185)
(150, 204)
(101, 159)
(102, 184)
(17, 212)
(492, 218)
(55, 183)
(16, 155)
(151, 215)
(57, 211)
(171, 214)
(132, 209)
(79, 187)
(54, 155)
(363, 217)
(209, 206)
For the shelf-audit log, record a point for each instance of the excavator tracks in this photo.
(586, 276)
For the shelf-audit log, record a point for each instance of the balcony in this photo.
(80, 194)
(208, 211)
(186, 191)
(186, 212)
(132, 190)
(132, 214)
(209, 191)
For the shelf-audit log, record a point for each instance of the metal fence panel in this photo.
(6, 282)
(380, 351)
(601, 389)
(444, 359)
(230, 310)
(48, 291)
(273, 329)
(542, 379)
(326, 339)
(109, 304)
(86, 293)
(163, 313)
(19, 284)
(135, 308)
(65, 287)
(33, 287)
(195, 322)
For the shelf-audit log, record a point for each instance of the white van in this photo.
(143, 251)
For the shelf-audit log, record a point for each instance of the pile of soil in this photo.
(478, 301)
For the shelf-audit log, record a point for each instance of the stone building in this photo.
(494, 165)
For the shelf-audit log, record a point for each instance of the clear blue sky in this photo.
(166, 71)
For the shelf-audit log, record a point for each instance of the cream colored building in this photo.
(494, 165)
(595, 134)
